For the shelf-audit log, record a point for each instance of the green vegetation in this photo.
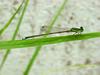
(46, 40)
(37, 42)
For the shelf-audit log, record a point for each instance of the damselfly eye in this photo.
(82, 28)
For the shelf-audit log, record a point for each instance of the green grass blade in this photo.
(54, 19)
(35, 54)
(14, 36)
(46, 41)
(10, 20)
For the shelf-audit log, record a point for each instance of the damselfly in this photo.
(75, 30)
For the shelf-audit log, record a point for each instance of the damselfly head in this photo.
(82, 29)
